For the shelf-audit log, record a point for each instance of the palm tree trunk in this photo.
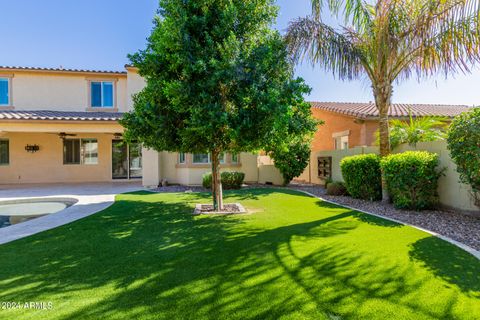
(383, 100)
(216, 182)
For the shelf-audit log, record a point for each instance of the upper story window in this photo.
(235, 158)
(4, 91)
(340, 140)
(341, 143)
(101, 94)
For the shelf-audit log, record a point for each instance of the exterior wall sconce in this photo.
(32, 148)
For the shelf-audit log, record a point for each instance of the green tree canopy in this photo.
(218, 79)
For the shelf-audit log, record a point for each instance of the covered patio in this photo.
(64, 147)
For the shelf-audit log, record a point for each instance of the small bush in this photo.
(412, 179)
(362, 176)
(336, 188)
(327, 182)
(230, 180)
(207, 180)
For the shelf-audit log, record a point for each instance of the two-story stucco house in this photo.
(61, 125)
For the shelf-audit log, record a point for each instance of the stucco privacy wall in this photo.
(46, 165)
(453, 194)
(60, 91)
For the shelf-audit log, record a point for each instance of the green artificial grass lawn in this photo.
(291, 257)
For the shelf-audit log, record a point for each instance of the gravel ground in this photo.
(455, 225)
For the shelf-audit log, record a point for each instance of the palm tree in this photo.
(389, 41)
(418, 129)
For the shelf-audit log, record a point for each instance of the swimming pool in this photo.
(17, 211)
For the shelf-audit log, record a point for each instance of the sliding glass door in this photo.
(126, 160)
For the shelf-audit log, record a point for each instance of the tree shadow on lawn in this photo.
(456, 266)
(148, 256)
(370, 219)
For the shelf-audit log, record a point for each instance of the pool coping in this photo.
(462, 246)
(70, 201)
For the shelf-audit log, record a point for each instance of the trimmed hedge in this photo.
(230, 180)
(412, 179)
(362, 176)
(336, 188)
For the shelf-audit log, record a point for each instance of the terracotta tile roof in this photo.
(368, 110)
(61, 69)
(59, 115)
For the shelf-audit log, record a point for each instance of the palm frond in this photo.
(325, 46)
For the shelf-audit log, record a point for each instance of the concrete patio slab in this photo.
(92, 198)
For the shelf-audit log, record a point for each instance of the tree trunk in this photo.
(383, 96)
(216, 182)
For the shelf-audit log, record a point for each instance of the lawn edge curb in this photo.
(462, 246)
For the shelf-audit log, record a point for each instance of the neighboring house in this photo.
(352, 125)
(61, 125)
(349, 125)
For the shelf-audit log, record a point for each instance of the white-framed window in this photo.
(199, 158)
(181, 158)
(80, 151)
(89, 151)
(4, 91)
(341, 143)
(101, 94)
(4, 152)
(340, 140)
(235, 158)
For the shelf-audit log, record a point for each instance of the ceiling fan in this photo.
(63, 135)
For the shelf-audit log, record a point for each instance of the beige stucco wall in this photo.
(269, 174)
(452, 193)
(59, 91)
(46, 165)
(170, 170)
(135, 84)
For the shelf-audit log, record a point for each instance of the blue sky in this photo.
(98, 34)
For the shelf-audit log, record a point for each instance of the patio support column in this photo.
(151, 168)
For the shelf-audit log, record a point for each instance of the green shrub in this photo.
(292, 160)
(207, 180)
(336, 188)
(463, 142)
(362, 176)
(327, 182)
(412, 179)
(230, 180)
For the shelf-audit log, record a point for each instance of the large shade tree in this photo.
(218, 79)
(389, 41)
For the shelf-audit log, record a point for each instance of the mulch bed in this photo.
(229, 208)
